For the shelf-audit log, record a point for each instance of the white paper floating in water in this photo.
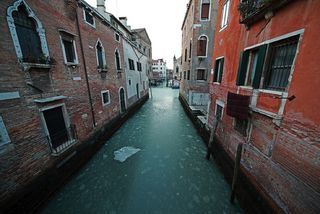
(124, 153)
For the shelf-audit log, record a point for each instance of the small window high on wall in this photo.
(205, 9)
(69, 48)
(88, 17)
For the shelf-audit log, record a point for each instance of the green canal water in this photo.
(168, 175)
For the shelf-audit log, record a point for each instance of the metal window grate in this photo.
(281, 59)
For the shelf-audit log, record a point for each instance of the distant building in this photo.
(196, 53)
(177, 75)
(160, 66)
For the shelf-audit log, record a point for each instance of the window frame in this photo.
(115, 58)
(205, 74)
(117, 35)
(218, 74)
(75, 62)
(85, 18)
(206, 46)
(4, 133)
(209, 10)
(220, 104)
(13, 32)
(102, 98)
(103, 55)
(225, 14)
(131, 64)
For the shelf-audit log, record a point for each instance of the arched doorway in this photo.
(122, 100)
(138, 93)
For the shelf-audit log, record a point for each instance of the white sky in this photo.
(162, 19)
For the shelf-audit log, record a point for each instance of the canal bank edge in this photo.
(32, 197)
(251, 197)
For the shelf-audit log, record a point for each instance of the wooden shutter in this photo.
(243, 66)
(205, 11)
(221, 69)
(260, 64)
(202, 45)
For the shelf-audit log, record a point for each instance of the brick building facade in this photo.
(62, 81)
(272, 57)
(196, 52)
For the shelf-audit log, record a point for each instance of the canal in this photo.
(167, 174)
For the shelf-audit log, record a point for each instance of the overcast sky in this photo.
(162, 19)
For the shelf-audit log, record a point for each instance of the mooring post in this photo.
(236, 172)
(210, 143)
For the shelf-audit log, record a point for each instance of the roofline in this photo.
(185, 16)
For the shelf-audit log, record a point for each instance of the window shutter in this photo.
(205, 11)
(221, 69)
(243, 65)
(202, 45)
(259, 68)
(215, 74)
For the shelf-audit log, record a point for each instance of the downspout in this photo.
(85, 69)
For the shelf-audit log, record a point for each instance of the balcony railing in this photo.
(254, 10)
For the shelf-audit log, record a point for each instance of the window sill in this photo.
(279, 93)
(216, 83)
(91, 25)
(64, 147)
(71, 64)
(266, 113)
(106, 104)
(102, 70)
(246, 87)
(202, 57)
(27, 65)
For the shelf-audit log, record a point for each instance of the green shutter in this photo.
(260, 64)
(243, 66)
(221, 70)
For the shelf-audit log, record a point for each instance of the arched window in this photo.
(100, 56)
(118, 62)
(202, 46)
(27, 33)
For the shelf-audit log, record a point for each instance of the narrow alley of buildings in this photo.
(168, 175)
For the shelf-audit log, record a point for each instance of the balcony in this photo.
(252, 11)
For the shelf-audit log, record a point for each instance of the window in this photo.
(281, 56)
(201, 74)
(180, 75)
(202, 46)
(225, 14)
(219, 111)
(185, 54)
(4, 137)
(241, 126)
(275, 70)
(105, 98)
(188, 75)
(184, 74)
(69, 49)
(88, 17)
(190, 46)
(218, 70)
(117, 37)
(27, 33)
(118, 63)
(100, 56)
(129, 81)
(205, 8)
(139, 67)
(131, 64)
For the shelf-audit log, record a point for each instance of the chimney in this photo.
(124, 21)
(101, 7)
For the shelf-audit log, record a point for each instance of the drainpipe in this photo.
(85, 69)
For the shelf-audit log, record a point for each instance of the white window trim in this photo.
(209, 15)
(64, 52)
(103, 53)
(115, 60)
(206, 45)
(219, 58)
(13, 31)
(85, 20)
(62, 148)
(103, 92)
(115, 36)
(225, 15)
(4, 133)
(221, 104)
